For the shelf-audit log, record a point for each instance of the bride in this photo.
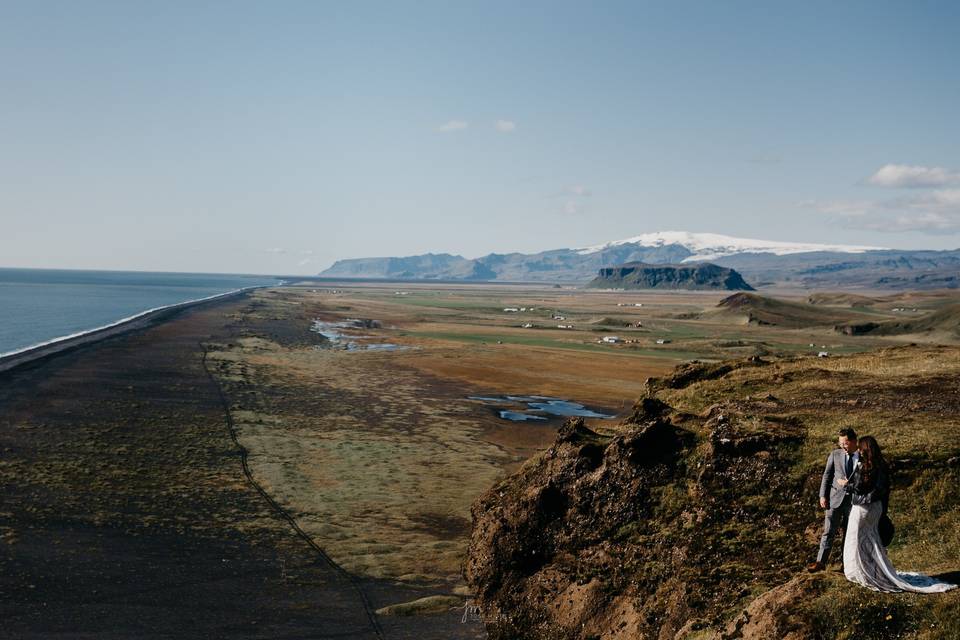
(865, 560)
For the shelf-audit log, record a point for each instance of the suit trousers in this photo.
(833, 519)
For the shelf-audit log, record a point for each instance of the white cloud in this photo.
(276, 250)
(940, 200)
(572, 208)
(927, 222)
(902, 175)
(453, 125)
(931, 209)
(936, 211)
(305, 261)
(505, 126)
(580, 190)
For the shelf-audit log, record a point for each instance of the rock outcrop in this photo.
(618, 536)
(693, 519)
(699, 276)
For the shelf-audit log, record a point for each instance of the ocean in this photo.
(39, 305)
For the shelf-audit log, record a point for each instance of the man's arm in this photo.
(826, 482)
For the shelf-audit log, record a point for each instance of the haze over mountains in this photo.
(761, 262)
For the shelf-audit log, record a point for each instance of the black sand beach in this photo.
(126, 513)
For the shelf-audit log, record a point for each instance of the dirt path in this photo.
(125, 511)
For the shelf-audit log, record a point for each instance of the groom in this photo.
(840, 466)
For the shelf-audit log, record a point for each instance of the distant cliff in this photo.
(700, 276)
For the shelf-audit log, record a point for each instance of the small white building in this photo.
(511, 310)
(612, 339)
(823, 354)
(663, 341)
(527, 326)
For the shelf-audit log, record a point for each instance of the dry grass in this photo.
(908, 398)
(380, 457)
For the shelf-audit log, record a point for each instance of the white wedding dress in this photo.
(865, 560)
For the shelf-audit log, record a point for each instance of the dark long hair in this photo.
(871, 460)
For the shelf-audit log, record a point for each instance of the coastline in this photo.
(142, 320)
(126, 512)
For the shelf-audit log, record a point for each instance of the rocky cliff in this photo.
(695, 516)
(698, 276)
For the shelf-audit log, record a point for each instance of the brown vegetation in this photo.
(696, 517)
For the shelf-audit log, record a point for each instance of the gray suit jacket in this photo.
(835, 470)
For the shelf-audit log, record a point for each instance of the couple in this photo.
(855, 488)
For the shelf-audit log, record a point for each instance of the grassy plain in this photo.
(380, 453)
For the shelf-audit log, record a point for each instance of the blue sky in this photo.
(278, 137)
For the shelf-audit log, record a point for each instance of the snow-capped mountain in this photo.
(710, 246)
(760, 262)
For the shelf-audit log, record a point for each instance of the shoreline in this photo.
(126, 510)
(142, 320)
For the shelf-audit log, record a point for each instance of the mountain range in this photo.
(760, 262)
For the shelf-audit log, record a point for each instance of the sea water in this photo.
(39, 305)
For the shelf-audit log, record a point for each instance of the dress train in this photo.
(865, 560)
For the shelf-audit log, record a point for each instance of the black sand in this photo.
(125, 512)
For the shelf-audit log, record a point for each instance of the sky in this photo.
(278, 137)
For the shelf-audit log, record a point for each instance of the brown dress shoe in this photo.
(813, 567)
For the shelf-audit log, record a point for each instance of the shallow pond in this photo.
(338, 338)
(519, 416)
(524, 408)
